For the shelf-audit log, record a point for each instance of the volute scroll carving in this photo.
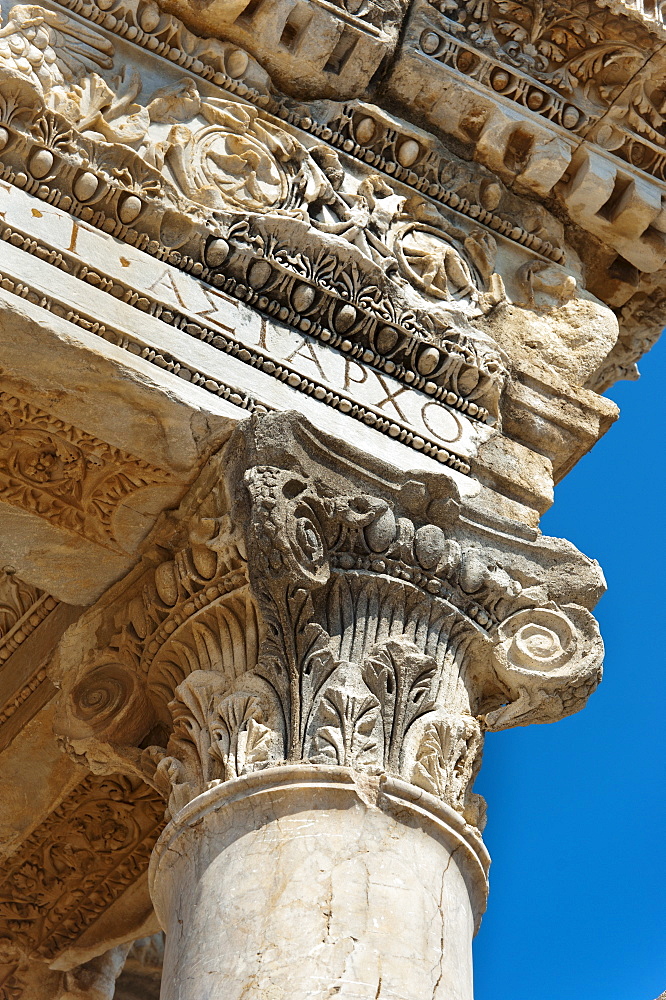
(558, 649)
(296, 615)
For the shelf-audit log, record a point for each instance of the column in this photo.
(305, 664)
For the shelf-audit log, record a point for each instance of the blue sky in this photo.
(577, 809)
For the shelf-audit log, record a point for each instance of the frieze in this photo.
(387, 148)
(416, 260)
(178, 366)
(420, 251)
(357, 132)
(362, 132)
(65, 475)
(458, 370)
(381, 297)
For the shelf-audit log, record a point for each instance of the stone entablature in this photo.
(538, 144)
(437, 251)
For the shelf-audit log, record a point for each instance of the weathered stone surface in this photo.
(142, 972)
(304, 309)
(322, 880)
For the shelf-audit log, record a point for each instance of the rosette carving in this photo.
(234, 158)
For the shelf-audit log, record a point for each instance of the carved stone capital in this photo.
(304, 605)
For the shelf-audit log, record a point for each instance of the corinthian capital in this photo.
(305, 605)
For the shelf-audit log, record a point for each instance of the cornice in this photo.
(367, 136)
(382, 151)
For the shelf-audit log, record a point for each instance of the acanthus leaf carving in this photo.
(402, 679)
(302, 617)
(447, 760)
(216, 736)
(345, 733)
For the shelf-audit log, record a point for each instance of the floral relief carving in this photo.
(565, 44)
(77, 861)
(221, 155)
(239, 160)
(50, 49)
(56, 471)
(446, 270)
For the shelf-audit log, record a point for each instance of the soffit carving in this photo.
(75, 864)
(61, 473)
(22, 608)
(23, 687)
(71, 856)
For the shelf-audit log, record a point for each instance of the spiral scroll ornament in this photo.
(109, 701)
(548, 661)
